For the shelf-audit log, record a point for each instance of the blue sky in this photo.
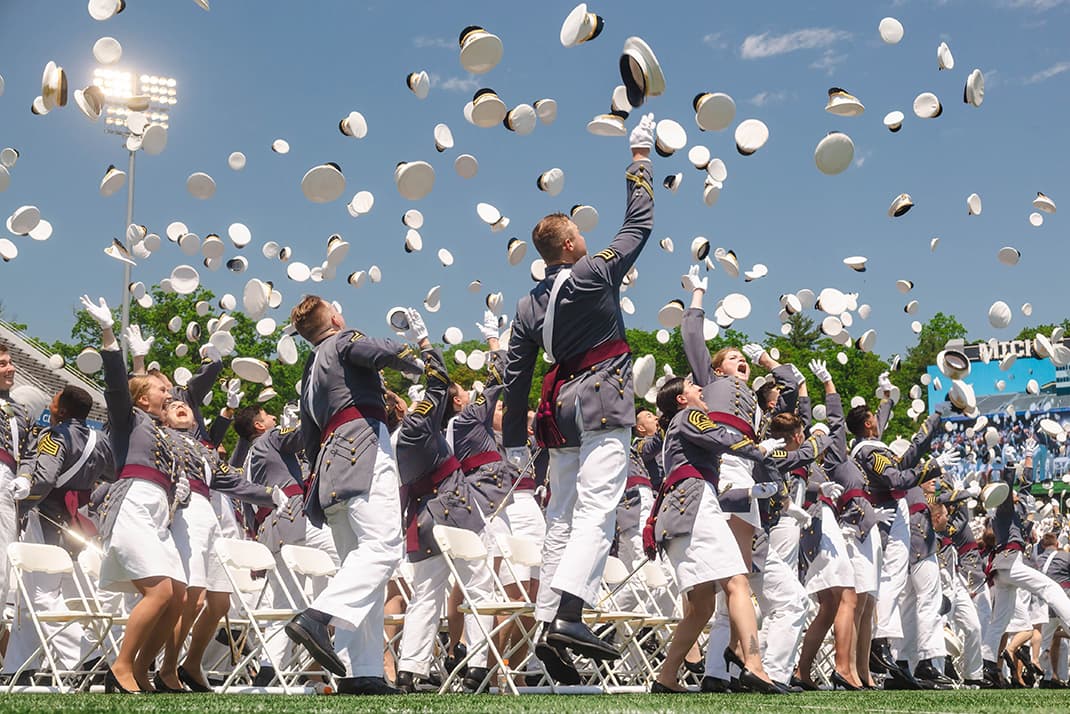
(249, 72)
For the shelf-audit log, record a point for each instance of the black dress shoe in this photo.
(695, 667)
(188, 679)
(881, 660)
(838, 682)
(112, 685)
(930, 677)
(788, 688)
(949, 670)
(753, 683)
(264, 676)
(899, 680)
(163, 688)
(457, 655)
(409, 683)
(1052, 684)
(365, 685)
(558, 662)
(579, 638)
(804, 686)
(657, 687)
(713, 685)
(473, 679)
(993, 676)
(312, 635)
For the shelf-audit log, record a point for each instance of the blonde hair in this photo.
(719, 355)
(140, 386)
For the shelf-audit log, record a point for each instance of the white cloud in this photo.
(1046, 74)
(828, 61)
(467, 84)
(766, 45)
(860, 161)
(766, 98)
(1035, 5)
(439, 43)
(715, 40)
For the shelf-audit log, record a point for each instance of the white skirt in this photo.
(866, 562)
(737, 472)
(832, 566)
(709, 552)
(1021, 621)
(141, 545)
(196, 530)
(526, 520)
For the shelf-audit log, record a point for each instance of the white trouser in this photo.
(784, 539)
(1008, 580)
(983, 602)
(9, 520)
(228, 520)
(784, 604)
(430, 584)
(895, 568)
(586, 483)
(966, 622)
(367, 533)
(46, 590)
(923, 632)
(279, 645)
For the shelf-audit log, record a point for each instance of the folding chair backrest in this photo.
(459, 543)
(39, 558)
(616, 571)
(524, 551)
(245, 554)
(309, 562)
(653, 575)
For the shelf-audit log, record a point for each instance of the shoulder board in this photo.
(423, 408)
(47, 445)
(880, 463)
(480, 400)
(700, 421)
(779, 454)
(357, 335)
(286, 430)
(607, 254)
(224, 467)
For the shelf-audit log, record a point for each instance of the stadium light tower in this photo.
(133, 102)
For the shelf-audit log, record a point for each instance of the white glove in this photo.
(642, 136)
(279, 498)
(770, 445)
(211, 352)
(795, 511)
(417, 330)
(489, 327)
(820, 369)
(1029, 448)
(182, 489)
(766, 489)
(99, 312)
(948, 459)
(850, 532)
(416, 393)
(234, 397)
(291, 415)
(518, 456)
(20, 488)
(884, 383)
(831, 489)
(884, 515)
(139, 346)
(974, 489)
(692, 282)
(753, 352)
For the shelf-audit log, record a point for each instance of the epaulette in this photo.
(424, 407)
(779, 454)
(607, 255)
(700, 421)
(357, 335)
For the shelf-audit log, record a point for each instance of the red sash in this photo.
(526, 484)
(294, 489)
(547, 432)
(199, 487)
(472, 463)
(413, 492)
(735, 422)
(344, 416)
(634, 481)
(7, 459)
(147, 473)
(650, 546)
(968, 547)
(851, 494)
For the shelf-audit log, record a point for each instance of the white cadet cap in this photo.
(481, 51)
(323, 183)
(843, 103)
(419, 83)
(891, 30)
(999, 314)
(640, 71)
(200, 185)
(713, 111)
(927, 106)
(944, 58)
(580, 26)
(751, 135)
(973, 205)
(354, 124)
(974, 91)
(834, 153)
(900, 205)
(414, 179)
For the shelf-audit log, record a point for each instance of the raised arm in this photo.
(378, 353)
(201, 382)
(695, 348)
(625, 247)
(519, 369)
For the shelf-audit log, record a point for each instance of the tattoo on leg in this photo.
(753, 648)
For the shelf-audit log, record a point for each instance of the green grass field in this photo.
(975, 702)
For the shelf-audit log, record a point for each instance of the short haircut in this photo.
(75, 402)
(719, 355)
(310, 316)
(245, 421)
(1049, 540)
(765, 390)
(549, 236)
(3, 349)
(784, 425)
(856, 420)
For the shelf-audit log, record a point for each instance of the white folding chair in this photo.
(456, 545)
(240, 558)
(307, 568)
(27, 560)
(623, 675)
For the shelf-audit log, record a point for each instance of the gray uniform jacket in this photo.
(193, 394)
(473, 437)
(1009, 525)
(922, 536)
(649, 450)
(139, 441)
(14, 413)
(273, 461)
(342, 372)
(59, 449)
(692, 439)
(629, 511)
(587, 315)
(433, 493)
(889, 476)
(205, 470)
(853, 508)
(970, 563)
(727, 394)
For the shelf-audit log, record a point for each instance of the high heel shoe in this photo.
(753, 683)
(186, 678)
(730, 657)
(838, 682)
(113, 686)
(163, 688)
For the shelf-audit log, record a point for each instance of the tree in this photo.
(1028, 333)
(931, 340)
(803, 336)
